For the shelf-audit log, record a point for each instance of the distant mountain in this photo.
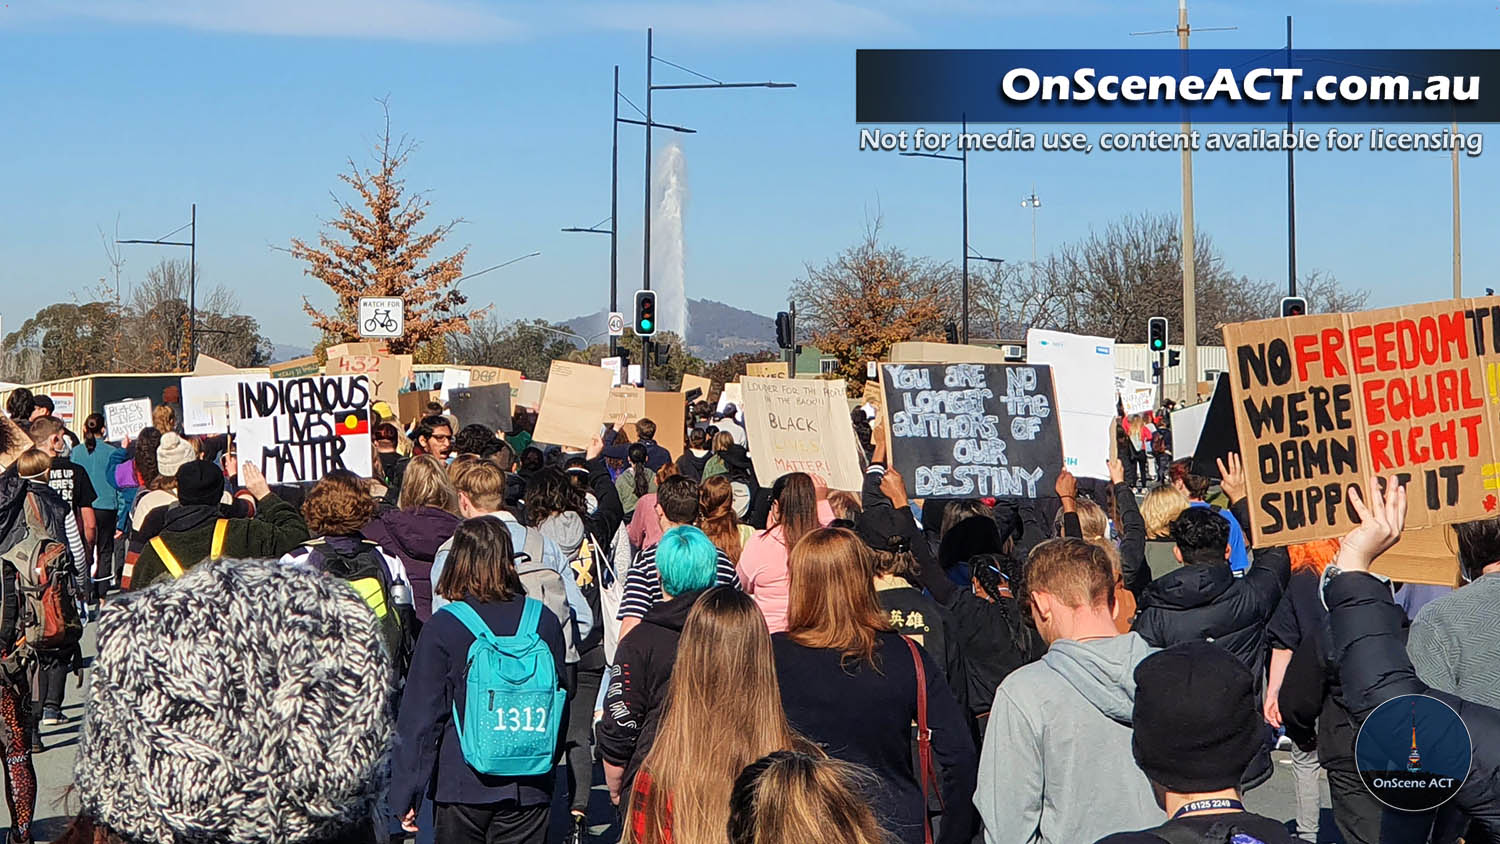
(715, 330)
(282, 352)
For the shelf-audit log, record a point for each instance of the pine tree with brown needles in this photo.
(385, 255)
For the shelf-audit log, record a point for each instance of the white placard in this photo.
(297, 430)
(127, 418)
(1083, 376)
(733, 394)
(1187, 428)
(208, 402)
(381, 316)
(454, 379)
(613, 365)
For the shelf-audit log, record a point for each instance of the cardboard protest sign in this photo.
(343, 350)
(1322, 402)
(297, 368)
(801, 426)
(916, 351)
(773, 369)
(969, 430)
(1136, 397)
(573, 404)
(209, 365)
(1218, 437)
(386, 373)
(453, 379)
(669, 412)
(697, 382)
(487, 406)
(731, 394)
(529, 394)
(1428, 555)
(1083, 373)
(127, 418)
(208, 402)
(484, 376)
(413, 406)
(297, 430)
(625, 404)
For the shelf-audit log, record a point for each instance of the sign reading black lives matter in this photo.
(969, 430)
(299, 429)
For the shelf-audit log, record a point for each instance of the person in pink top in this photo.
(798, 507)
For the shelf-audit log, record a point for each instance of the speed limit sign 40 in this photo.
(616, 324)
(381, 317)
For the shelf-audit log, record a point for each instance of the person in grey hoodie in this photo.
(1068, 714)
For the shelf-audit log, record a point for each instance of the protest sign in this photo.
(343, 350)
(386, 373)
(773, 369)
(1136, 397)
(1083, 374)
(297, 430)
(915, 351)
(1218, 438)
(127, 418)
(613, 365)
(297, 368)
(1187, 428)
(1322, 402)
(625, 404)
(703, 385)
(208, 365)
(573, 404)
(529, 394)
(413, 406)
(801, 426)
(488, 406)
(969, 430)
(731, 394)
(669, 412)
(452, 379)
(484, 376)
(1429, 555)
(208, 402)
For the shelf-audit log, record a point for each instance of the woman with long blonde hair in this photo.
(426, 518)
(723, 712)
(839, 648)
(716, 517)
(792, 798)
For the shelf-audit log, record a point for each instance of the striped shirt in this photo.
(643, 583)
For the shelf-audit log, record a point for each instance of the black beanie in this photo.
(1197, 725)
(200, 482)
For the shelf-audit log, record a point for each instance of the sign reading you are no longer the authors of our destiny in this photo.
(299, 429)
(1322, 402)
(970, 430)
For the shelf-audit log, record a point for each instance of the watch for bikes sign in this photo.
(381, 317)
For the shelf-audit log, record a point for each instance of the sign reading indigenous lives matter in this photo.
(970, 430)
(801, 426)
(299, 429)
(1322, 402)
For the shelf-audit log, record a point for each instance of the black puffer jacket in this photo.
(638, 685)
(1208, 603)
(1373, 665)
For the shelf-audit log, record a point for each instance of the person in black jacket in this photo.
(1374, 667)
(1203, 600)
(688, 564)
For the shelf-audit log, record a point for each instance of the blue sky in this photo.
(138, 108)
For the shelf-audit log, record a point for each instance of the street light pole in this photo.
(1291, 186)
(192, 244)
(614, 211)
(651, 87)
(1033, 202)
(963, 152)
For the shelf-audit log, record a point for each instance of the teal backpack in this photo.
(513, 707)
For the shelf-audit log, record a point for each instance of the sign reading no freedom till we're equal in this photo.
(1323, 402)
(970, 430)
(299, 429)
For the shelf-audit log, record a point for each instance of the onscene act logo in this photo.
(1413, 753)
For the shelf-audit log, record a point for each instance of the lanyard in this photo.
(1212, 804)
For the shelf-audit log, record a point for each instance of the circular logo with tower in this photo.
(1413, 753)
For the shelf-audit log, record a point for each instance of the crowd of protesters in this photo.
(737, 657)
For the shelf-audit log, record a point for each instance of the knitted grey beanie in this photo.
(246, 702)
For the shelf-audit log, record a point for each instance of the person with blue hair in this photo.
(687, 561)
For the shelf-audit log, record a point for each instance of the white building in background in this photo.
(1133, 360)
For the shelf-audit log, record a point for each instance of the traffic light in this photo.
(645, 313)
(950, 331)
(660, 354)
(1293, 306)
(1156, 333)
(785, 333)
(1174, 358)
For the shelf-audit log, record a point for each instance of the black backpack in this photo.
(365, 570)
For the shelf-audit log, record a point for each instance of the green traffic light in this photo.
(645, 325)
